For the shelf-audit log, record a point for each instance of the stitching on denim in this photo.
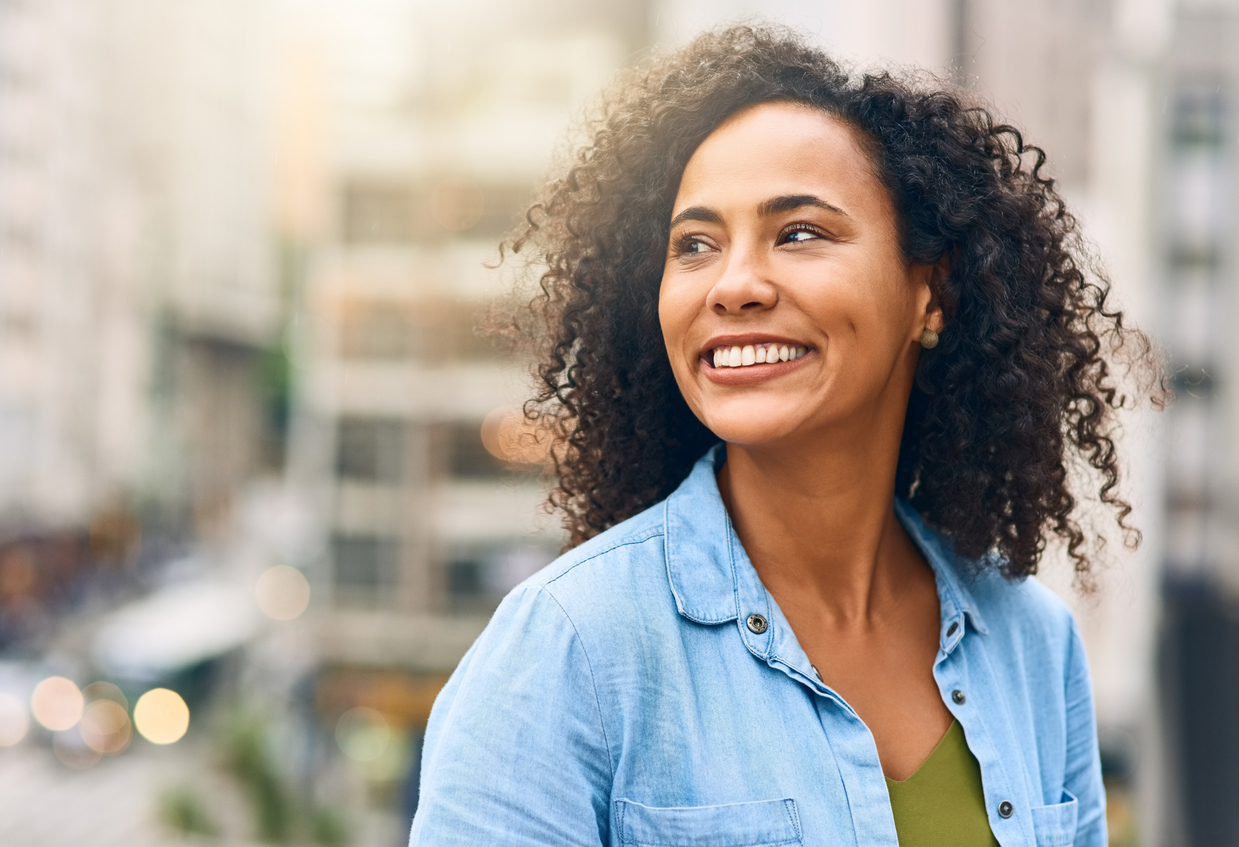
(789, 806)
(626, 542)
(593, 682)
(796, 840)
(695, 618)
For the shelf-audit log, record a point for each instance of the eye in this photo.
(691, 245)
(800, 234)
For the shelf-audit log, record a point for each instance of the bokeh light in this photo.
(57, 703)
(283, 593)
(14, 720)
(508, 437)
(105, 691)
(161, 716)
(363, 734)
(105, 727)
(72, 750)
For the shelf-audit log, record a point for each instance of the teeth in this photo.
(757, 354)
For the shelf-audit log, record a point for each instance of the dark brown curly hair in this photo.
(1021, 385)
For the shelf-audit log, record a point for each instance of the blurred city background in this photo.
(259, 488)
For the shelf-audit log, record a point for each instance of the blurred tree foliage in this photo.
(184, 812)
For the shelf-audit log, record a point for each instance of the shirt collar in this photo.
(713, 580)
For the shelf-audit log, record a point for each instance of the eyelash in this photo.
(809, 228)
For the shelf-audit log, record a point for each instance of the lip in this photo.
(750, 374)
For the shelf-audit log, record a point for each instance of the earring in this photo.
(929, 338)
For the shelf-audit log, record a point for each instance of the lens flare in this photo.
(14, 720)
(161, 716)
(282, 592)
(57, 703)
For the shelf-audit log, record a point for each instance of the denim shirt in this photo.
(625, 696)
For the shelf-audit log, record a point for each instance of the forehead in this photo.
(782, 148)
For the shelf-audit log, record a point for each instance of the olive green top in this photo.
(943, 803)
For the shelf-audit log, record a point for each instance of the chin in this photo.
(744, 431)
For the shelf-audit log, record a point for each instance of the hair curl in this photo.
(1020, 385)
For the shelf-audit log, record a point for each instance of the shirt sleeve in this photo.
(1083, 762)
(515, 749)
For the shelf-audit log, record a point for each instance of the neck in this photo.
(818, 522)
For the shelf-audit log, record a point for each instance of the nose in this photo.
(743, 287)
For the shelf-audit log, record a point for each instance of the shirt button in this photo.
(958, 697)
(1005, 809)
(950, 630)
(756, 623)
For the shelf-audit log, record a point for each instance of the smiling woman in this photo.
(818, 352)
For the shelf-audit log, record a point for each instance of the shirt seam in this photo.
(627, 542)
(593, 681)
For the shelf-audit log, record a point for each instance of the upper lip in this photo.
(747, 338)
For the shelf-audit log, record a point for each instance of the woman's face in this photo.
(786, 304)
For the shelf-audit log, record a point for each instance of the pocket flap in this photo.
(1055, 826)
(764, 823)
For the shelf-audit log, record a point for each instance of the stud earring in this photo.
(929, 338)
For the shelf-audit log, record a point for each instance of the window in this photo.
(1200, 117)
(370, 450)
(366, 567)
(464, 456)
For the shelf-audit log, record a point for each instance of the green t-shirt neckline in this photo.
(943, 802)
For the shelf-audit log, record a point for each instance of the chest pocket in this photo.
(1055, 826)
(765, 823)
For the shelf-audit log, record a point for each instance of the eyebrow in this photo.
(696, 213)
(788, 202)
(773, 206)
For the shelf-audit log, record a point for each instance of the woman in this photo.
(821, 351)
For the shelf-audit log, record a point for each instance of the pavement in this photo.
(43, 803)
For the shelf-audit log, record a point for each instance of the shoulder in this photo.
(600, 581)
(1027, 618)
(1027, 599)
(627, 559)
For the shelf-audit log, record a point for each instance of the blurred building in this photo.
(137, 299)
(423, 136)
(1196, 232)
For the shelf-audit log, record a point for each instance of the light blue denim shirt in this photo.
(620, 697)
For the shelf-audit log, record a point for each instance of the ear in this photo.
(935, 280)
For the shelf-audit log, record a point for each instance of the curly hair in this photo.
(1021, 384)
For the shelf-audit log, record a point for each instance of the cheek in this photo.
(674, 316)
